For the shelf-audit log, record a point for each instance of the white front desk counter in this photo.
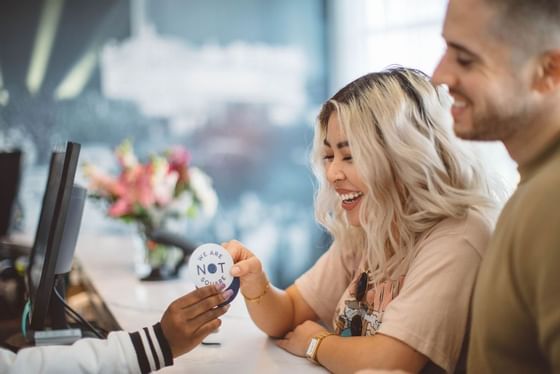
(107, 262)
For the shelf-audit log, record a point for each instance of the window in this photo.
(369, 35)
(405, 32)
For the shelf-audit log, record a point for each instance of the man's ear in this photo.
(548, 74)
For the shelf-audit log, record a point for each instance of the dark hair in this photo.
(529, 24)
(525, 8)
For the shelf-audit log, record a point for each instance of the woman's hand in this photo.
(248, 268)
(297, 341)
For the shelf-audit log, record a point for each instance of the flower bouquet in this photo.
(150, 195)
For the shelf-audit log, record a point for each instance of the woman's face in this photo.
(341, 171)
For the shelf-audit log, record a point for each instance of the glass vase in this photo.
(156, 261)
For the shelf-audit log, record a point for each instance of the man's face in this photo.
(491, 92)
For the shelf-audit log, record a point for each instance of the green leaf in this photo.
(192, 212)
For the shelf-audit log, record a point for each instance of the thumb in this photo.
(251, 266)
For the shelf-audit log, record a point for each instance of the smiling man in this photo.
(502, 67)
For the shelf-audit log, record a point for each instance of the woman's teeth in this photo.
(349, 197)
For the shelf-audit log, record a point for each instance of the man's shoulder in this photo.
(531, 219)
(541, 194)
(549, 173)
(542, 190)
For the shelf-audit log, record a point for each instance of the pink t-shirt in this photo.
(427, 308)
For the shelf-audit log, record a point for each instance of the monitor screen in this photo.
(45, 251)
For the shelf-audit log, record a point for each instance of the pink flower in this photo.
(147, 192)
(101, 182)
(179, 159)
(120, 208)
(135, 186)
(144, 193)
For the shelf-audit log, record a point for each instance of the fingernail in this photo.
(227, 294)
(235, 270)
(220, 286)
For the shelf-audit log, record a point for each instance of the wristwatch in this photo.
(313, 347)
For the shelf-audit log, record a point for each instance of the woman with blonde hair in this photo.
(408, 211)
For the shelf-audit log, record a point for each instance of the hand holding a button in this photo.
(248, 268)
(190, 318)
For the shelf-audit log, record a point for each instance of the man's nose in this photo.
(442, 73)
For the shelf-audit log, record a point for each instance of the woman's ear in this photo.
(548, 74)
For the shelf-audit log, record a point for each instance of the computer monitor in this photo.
(38, 250)
(10, 164)
(49, 237)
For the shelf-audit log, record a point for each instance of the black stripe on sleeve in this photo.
(140, 353)
(154, 354)
(163, 344)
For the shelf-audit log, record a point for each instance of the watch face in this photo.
(311, 348)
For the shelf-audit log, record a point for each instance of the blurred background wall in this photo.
(239, 83)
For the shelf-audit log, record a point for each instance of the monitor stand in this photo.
(60, 332)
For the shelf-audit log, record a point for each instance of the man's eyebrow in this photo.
(339, 145)
(461, 48)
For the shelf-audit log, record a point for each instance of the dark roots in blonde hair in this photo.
(398, 126)
(354, 89)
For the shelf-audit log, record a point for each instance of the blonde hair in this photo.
(398, 127)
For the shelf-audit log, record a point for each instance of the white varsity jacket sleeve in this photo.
(142, 351)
